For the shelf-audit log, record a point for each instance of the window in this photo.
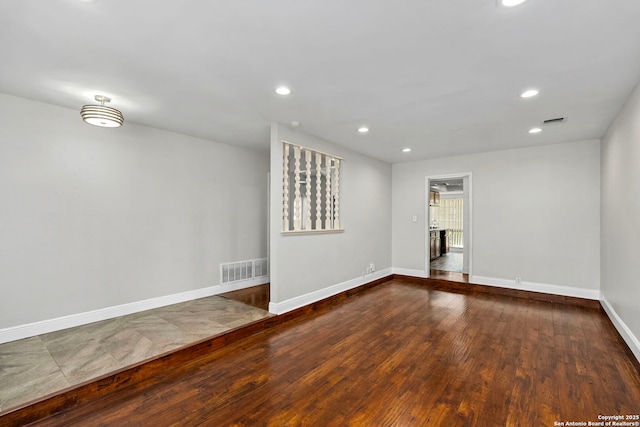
(450, 216)
(310, 190)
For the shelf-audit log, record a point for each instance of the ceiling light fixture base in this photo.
(99, 115)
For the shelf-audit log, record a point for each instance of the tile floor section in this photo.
(451, 261)
(34, 367)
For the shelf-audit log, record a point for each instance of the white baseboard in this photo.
(59, 323)
(628, 336)
(568, 291)
(310, 298)
(408, 272)
(510, 284)
(221, 289)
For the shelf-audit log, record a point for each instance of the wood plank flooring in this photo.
(398, 354)
(256, 296)
(449, 275)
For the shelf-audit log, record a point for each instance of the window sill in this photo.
(302, 232)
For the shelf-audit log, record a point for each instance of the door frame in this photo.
(468, 225)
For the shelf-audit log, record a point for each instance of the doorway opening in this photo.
(448, 227)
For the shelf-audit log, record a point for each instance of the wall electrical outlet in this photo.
(518, 281)
(372, 268)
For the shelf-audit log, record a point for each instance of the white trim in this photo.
(320, 294)
(409, 272)
(568, 291)
(624, 331)
(73, 320)
(321, 231)
(241, 284)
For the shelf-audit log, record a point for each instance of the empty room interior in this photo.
(319, 213)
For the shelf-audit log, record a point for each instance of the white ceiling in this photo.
(446, 185)
(441, 77)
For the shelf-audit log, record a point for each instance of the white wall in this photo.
(621, 221)
(303, 266)
(536, 215)
(92, 218)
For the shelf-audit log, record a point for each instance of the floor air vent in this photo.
(243, 270)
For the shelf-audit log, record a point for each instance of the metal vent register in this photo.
(243, 270)
(554, 121)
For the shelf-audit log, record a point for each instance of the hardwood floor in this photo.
(256, 296)
(449, 275)
(398, 354)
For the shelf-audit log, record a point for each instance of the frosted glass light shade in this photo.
(99, 115)
(102, 116)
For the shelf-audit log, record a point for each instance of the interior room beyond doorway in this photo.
(446, 229)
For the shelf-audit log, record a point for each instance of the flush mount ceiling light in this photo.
(99, 115)
(529, 93)
(283, 90)
(363, 129)
(406, 150)
(535, 130)
(510, 3)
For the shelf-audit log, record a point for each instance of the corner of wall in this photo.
(624, 331)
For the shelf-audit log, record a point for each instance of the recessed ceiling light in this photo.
(535, 130)
(283, 90)
(406, 150)
(529, 93)
(510, 3)
(363, 129)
